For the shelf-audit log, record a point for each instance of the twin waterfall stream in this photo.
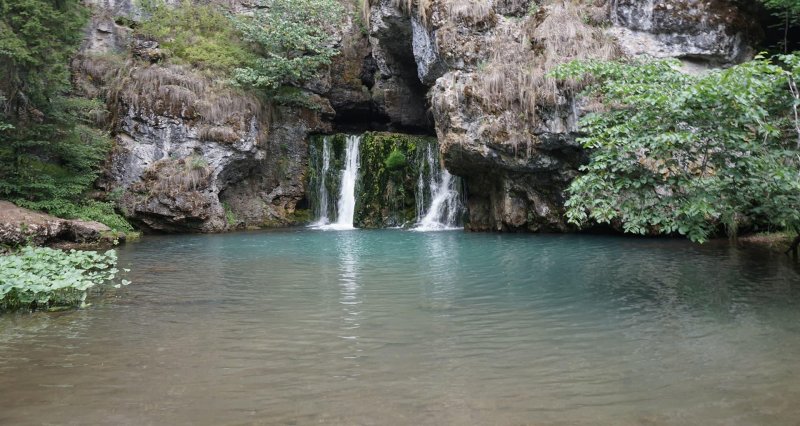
(437, 193)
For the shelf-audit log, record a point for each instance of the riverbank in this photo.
(778, 242)
(19, 227)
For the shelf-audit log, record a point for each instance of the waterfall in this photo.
(445, 204)
(338, 171)
(346, 205)
(323, 190)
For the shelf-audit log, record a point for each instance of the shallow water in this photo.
(397, 327)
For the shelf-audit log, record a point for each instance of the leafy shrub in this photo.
(44, 278)
(679, 153)
(51, 150)
(294, 39)
(396, 160)
(99, 211)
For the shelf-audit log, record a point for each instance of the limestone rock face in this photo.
(193, 155)
(397, 87)
(189, 149)
(509, 130)
(714, 32)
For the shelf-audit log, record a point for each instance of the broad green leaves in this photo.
(675, 153)
(42, 278)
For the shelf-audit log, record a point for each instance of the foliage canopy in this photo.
(50, 148)
(294, 38)
(677, 153)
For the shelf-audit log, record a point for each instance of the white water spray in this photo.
(346, 206)
(445, 205)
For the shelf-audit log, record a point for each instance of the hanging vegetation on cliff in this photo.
(294, 38)
(677, 153)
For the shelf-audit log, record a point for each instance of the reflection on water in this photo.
(348, 252)
(394, 327)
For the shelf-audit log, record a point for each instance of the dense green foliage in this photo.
(396, 160)
(44, 278)
(294, 39)
(684, 153)
(391, 164)
(200, 35)
(50, 148)
(284, 43)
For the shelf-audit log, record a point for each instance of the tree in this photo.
(788, 11)
(294, 39)
(676, 153)
(50, 150)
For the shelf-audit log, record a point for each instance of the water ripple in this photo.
(394, 327)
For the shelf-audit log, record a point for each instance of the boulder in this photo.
(19, 226)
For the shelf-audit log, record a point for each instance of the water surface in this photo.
(398, 327)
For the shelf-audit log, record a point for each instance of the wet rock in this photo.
(430, 65)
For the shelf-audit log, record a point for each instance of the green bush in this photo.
(99, 211)
(199, 35)
(679, 153)
(44, 278)
(293, 38)
(51, 150)
(396, 160)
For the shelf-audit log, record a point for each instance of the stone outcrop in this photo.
(506, 127)
(194, 155)
(710, 32)
(20, 226)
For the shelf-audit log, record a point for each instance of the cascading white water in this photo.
(346, 206)
(323, 190)
(445, 201)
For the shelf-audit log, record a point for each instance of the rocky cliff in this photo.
(193, 154)
(505, 126)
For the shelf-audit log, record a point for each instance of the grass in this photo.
(511, 83)
(777, 241)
